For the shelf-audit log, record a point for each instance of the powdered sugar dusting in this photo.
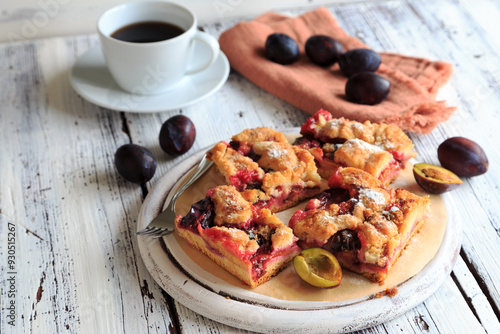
(389, 213)
(358, 126)
(387, 145)
(326, 219)
(357, 144)
(371, 195)
(231, 201)
(275, 153)
(333, 124)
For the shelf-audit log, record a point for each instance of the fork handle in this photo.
(200, 169)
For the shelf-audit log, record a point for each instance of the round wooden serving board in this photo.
(193, 280)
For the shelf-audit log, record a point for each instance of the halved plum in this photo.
(435, 179)
(318, 267)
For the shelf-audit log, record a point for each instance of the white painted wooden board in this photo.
(35, 19)
(77, 262)
(213, 297)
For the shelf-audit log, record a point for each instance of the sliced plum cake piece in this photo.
(251, 243)
(268, 171)
(379, 149)
(365, 225)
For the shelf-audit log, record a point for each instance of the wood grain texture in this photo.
(36, 19)
(79, 270)
(74, 216)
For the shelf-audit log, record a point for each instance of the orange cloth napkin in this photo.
(411, 103)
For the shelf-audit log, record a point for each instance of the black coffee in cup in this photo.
(147, 32)
(142, 67)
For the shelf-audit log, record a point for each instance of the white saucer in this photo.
(91, 79)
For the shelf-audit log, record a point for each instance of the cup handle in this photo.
(212, 44)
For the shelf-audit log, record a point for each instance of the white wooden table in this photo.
(75, 266)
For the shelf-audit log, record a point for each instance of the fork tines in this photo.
(154, 232)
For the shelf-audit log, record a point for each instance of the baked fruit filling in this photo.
(379, 149)
(267, 170)
(365, 225)
(249, 242)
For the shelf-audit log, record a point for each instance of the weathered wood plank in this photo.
(478, 302)
(76, 251)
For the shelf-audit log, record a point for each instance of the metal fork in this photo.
(164, 223)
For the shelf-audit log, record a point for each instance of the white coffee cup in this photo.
(156, 67)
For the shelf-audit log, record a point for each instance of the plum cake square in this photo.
(267, 170)
(249, 242)
(365, 225)
(379, 149)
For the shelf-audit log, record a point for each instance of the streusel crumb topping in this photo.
(259, 134)
(275, 156)
(387, 136)
(230, 162)
(360, 154)
(238, 238)
(230, 207)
